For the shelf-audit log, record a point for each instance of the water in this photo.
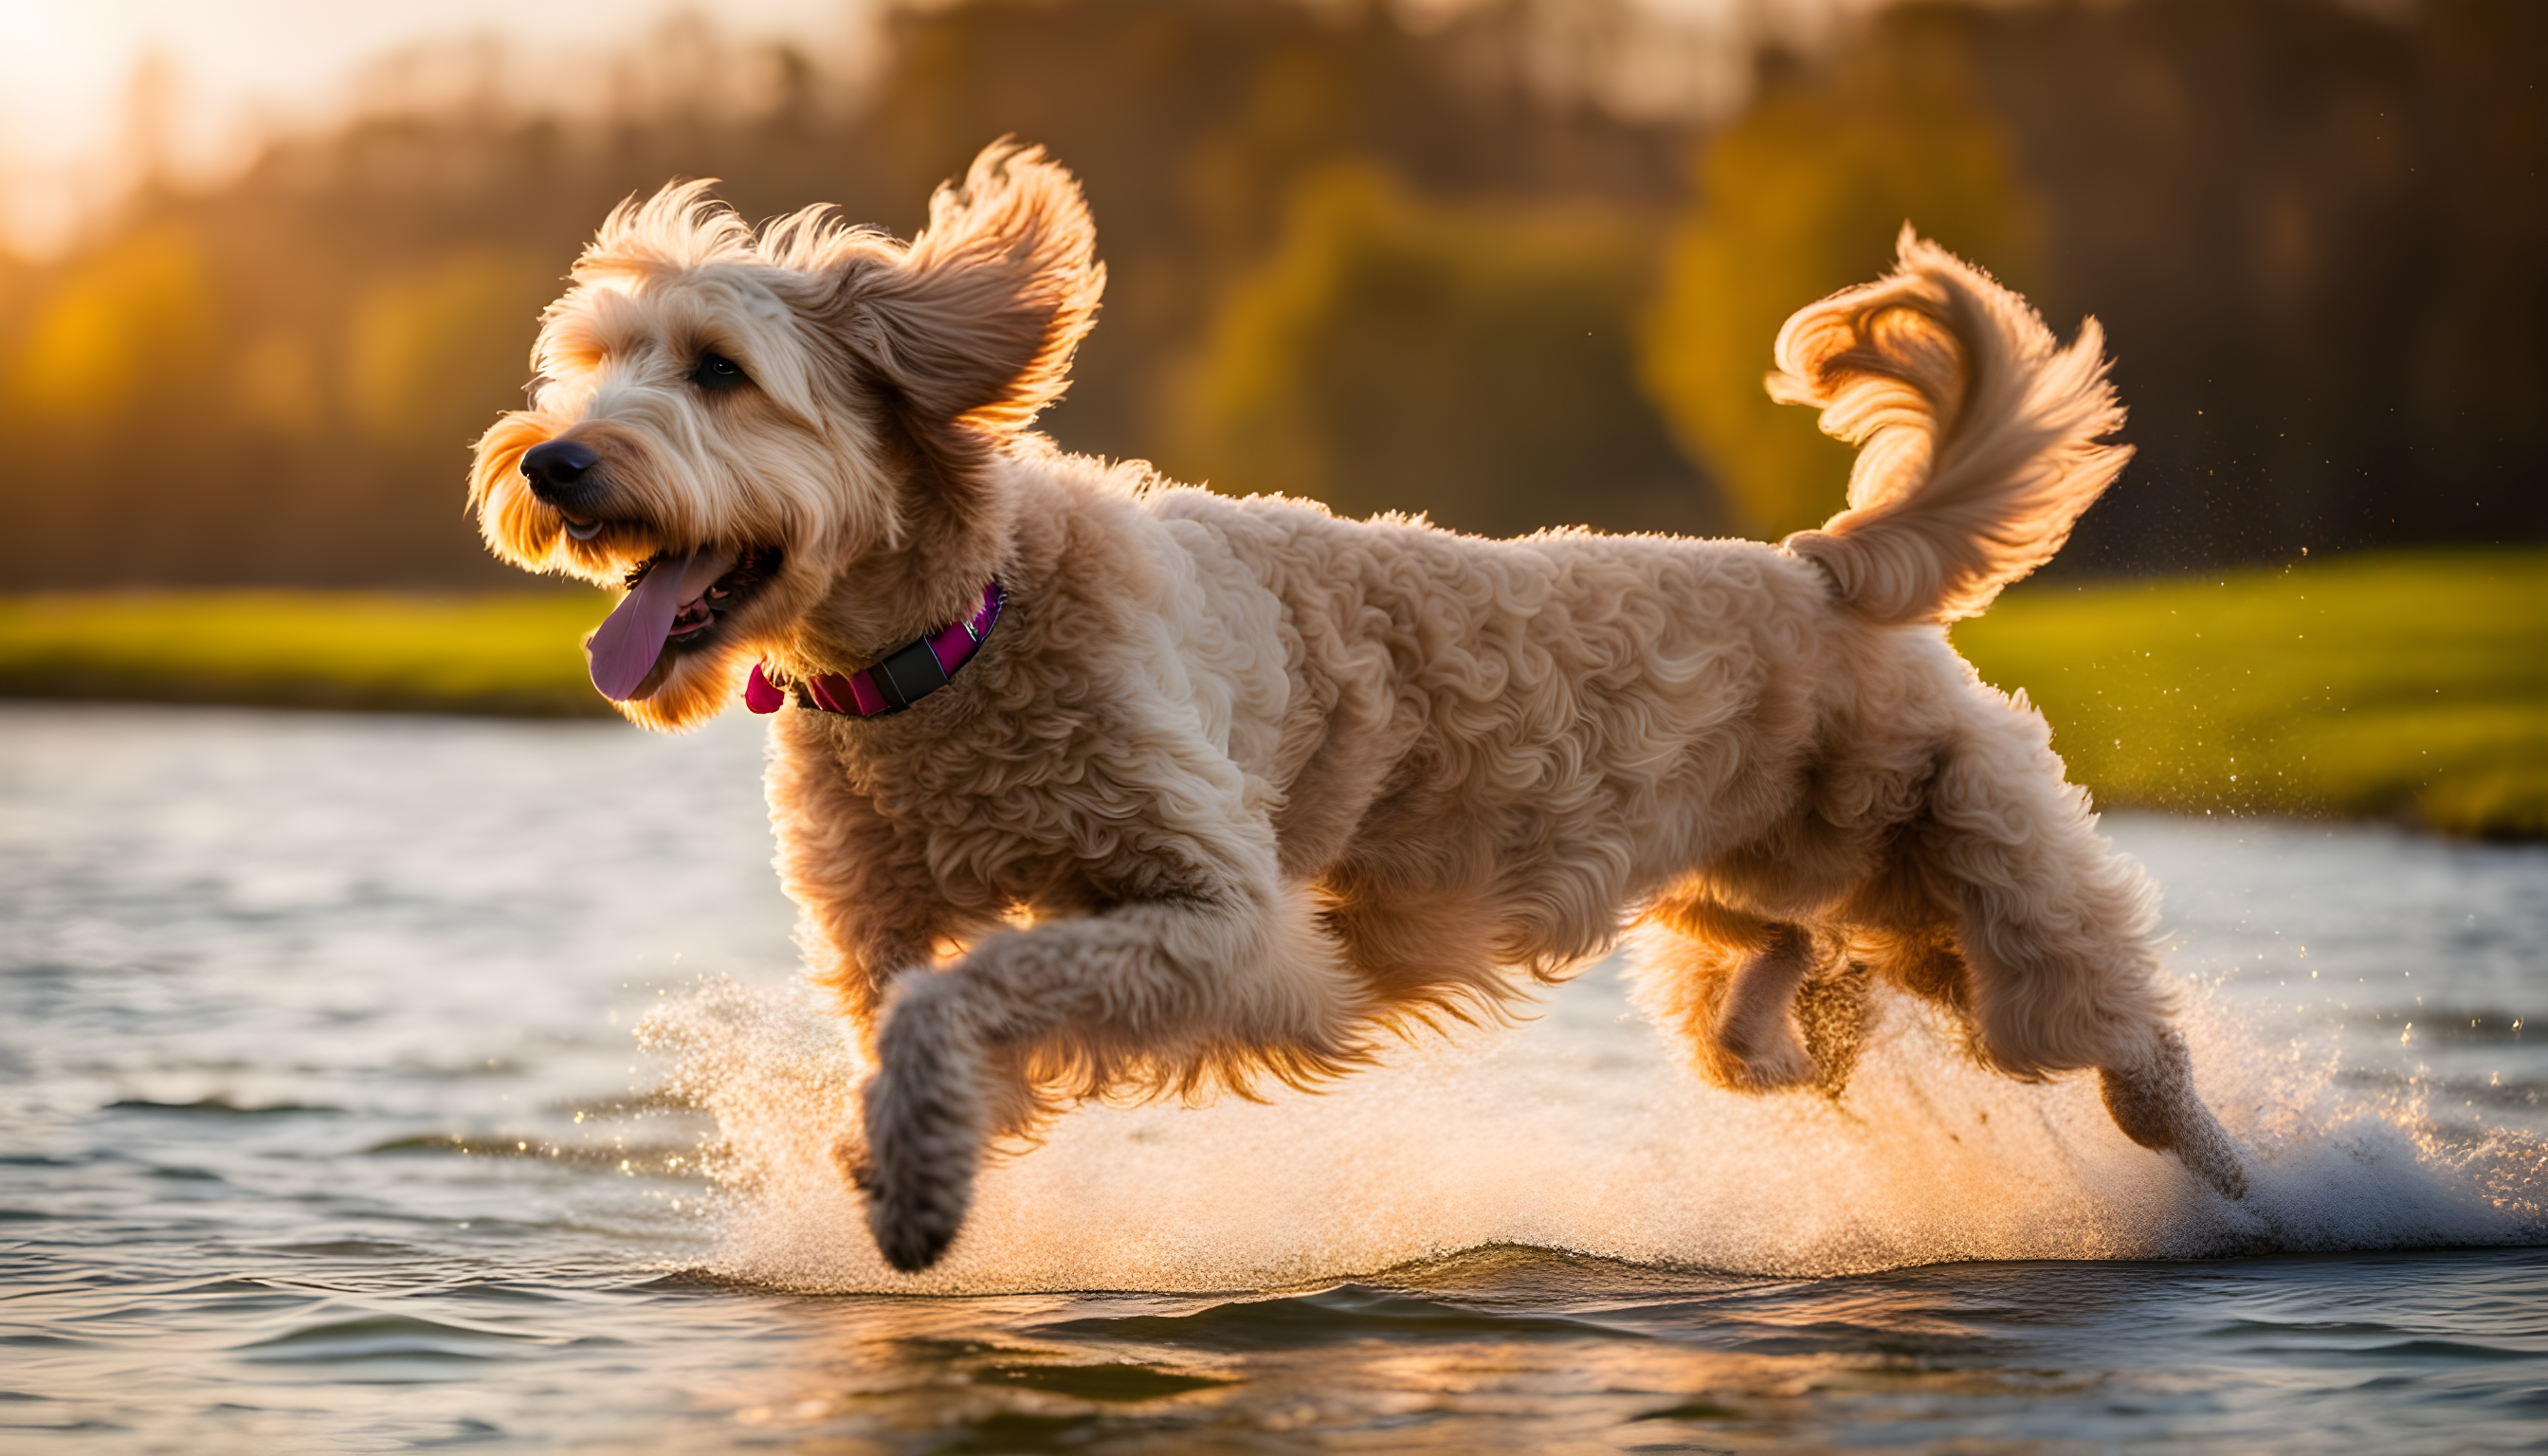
(372, 1083)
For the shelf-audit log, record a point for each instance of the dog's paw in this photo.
(1775, 1062)
(918, 1178)
(2156, 1105)
(914, 1226)
(1778, 1068)
(924, 1136)
(2212, 1155)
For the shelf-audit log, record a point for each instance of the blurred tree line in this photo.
(2316, 239)
(1385, 264)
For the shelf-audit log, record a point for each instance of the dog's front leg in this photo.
(1153, 991)
(869, 904)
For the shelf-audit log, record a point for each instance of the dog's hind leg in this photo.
(2155, 1104)
(2057, 931)
(1831, 1010)
(1729, 983)
(1158, 994)
(1755, 1046)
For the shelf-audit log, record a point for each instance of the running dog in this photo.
(1088, 783)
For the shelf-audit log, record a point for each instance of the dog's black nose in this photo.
(556, 469)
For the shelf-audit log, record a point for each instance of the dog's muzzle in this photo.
(560, 475)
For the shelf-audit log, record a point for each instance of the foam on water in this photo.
(1583, 1131)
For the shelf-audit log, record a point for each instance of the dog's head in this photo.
(784, 444)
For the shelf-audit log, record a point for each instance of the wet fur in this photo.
(1236, 785)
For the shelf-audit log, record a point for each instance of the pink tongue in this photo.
(624, 647)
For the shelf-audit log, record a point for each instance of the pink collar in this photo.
(902, 677)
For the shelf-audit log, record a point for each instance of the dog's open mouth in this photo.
(580, 528)
(675, 603)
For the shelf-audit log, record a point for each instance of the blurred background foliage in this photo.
(1419, 255)
(1376, 256)
(1470, 360)
(1804, 194)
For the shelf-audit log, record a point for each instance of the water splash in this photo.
(1581, 1130)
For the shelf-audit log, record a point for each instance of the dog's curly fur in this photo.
(1234, 784)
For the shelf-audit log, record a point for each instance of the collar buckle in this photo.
(902, 677)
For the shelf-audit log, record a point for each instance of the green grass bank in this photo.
(2399, 686)
(2412, 686)
(511, 654)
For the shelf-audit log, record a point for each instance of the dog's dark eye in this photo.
(717, 372)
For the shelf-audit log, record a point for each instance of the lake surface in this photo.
(377, 1083)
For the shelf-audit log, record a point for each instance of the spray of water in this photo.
(1583, 1131)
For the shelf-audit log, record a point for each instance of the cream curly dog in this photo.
(1089, 783)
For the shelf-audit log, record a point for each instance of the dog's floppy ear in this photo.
(977, 320)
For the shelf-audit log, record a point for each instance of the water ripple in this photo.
(316, 1136)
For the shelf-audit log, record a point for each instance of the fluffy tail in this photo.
(1977, 435)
